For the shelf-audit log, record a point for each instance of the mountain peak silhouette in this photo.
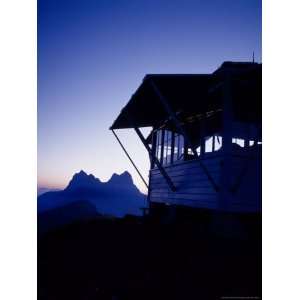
(123, 178)
(82, 173)
(118, 196)
(82, 179)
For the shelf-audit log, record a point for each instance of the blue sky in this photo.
(92, 55)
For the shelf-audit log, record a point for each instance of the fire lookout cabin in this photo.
(205, 141)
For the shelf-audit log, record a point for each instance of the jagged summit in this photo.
(82, 179)
(123, 178)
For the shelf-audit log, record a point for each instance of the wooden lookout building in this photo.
(205, 139)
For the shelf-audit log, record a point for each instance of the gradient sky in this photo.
(92, 55)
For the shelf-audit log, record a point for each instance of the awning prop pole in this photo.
(127, 154)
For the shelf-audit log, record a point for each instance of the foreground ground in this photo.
(136, 259)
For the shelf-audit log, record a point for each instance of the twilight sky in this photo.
(93, 54)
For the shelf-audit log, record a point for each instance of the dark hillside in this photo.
(134, 259)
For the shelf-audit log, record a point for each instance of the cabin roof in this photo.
(190, 94)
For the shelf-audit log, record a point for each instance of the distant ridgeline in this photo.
(87, 194)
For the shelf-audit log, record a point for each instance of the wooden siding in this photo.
(192, 185)
(247, 172)
(194, 189)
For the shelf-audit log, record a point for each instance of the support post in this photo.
(173, 117)
(213, 143)
(202, 138)
(226, 178)
(162, 146)
(153, 149)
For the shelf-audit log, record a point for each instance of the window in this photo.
(209, 144)
(252, 143)
(167, 147)
(240, 142)
(158, 144)
(218, 142)
(178, 147)
(164, 140)
(171, 145)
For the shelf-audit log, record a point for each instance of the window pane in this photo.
(218, 142)
(208, 145)
(240, 142)
(158, 142)
(176, 146)
(181, 147)
(169, 147)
